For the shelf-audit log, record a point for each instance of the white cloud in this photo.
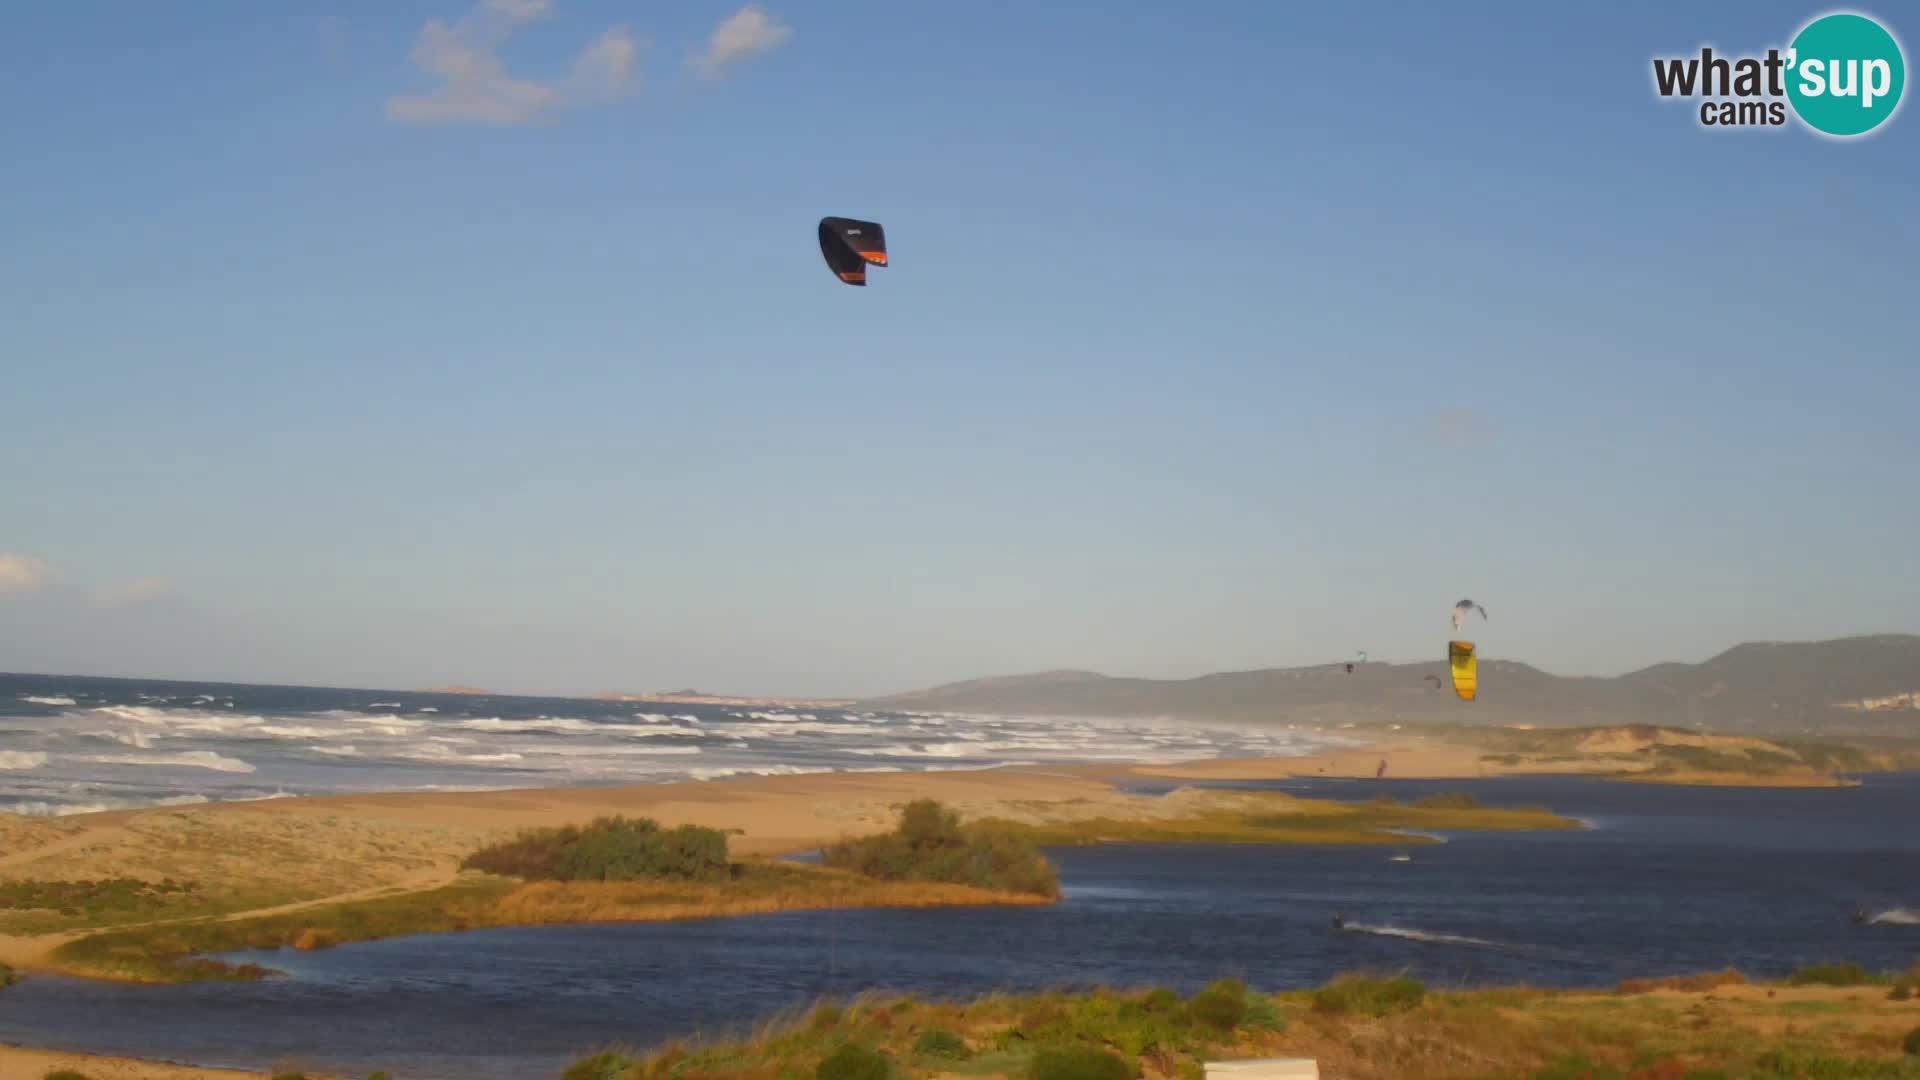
(21, 573)
(138, 591)
(605, 68)
(475, 86)
(745, 34)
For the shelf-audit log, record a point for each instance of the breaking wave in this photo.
(189, 759)
(22, 759)
(1895, 917)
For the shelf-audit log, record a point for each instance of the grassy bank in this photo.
(1266, 818)
(168, 953)
(611, 870)
(1356, 1027)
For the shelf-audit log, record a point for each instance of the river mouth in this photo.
(1678, 880)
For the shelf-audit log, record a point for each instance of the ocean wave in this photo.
(139, 740)
(189, 759)
(438, 754)
(32, 700)
(335, 751)
(1895, 917)
(552, 725)
(47, 808)
(757, 770)
(14, 760)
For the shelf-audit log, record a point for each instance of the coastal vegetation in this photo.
(613, 869)
(609, 849)
(1369, 1027)
(930, 845)
(1272, 818)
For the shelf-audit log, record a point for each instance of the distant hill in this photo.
(1857, 685)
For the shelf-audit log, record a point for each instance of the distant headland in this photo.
(699, 697)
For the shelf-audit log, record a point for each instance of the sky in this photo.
(488, 341)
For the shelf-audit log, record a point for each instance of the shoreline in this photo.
(774, 816)
(254, 860)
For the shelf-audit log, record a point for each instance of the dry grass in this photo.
(1495, 1034)
(763, 889)
(163, 953)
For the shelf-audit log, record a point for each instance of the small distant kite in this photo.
(1463, 609)
(850, 246)
(1465, 674)
(1435, 680)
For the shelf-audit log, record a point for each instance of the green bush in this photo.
(1576, 1067)
(64, 1074)
(929, 844)
(380, 1074)
(1848, 974)
(1901, 992)
(854, 1062)
(608, 849)
(1078, 1063)
(606, 1065)
(290, 1076)
(1221, 1006)
(941, 1044)
(1161, 999)
(1912, 1043)
(1262, 1013)
(7, 977)
(1369, 996)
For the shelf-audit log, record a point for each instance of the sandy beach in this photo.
(22, 1063)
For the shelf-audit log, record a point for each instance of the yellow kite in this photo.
(1460, 656)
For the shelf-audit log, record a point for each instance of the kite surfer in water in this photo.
(1339, 921)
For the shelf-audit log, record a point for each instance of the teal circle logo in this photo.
(1844, 74)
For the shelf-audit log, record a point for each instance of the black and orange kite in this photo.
(850, 246)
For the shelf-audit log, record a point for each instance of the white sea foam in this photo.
(139, 740)
(44, 808)
(336, 751)
(189, 759)
(31, 700)
(21, 759)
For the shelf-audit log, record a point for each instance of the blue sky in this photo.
(1217, 337)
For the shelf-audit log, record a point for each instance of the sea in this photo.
(72, 745)
(1661, 880)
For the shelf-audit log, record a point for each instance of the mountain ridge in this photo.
(1864, 684)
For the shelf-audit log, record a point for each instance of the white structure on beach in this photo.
(1264, 1069)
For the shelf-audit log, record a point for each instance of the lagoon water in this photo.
(1667, 880)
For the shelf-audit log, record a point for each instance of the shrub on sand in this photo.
(1078, 1063)
(1369, 996)
(941, 1044)
(1221, 1006)
(1848, 974)
(854, 1062)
